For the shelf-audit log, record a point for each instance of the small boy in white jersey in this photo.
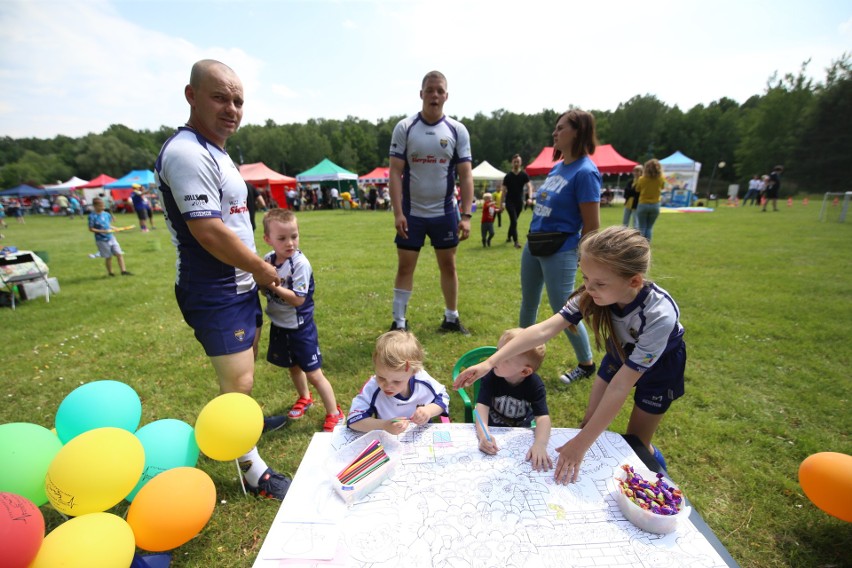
(293, 341)
(401, 391)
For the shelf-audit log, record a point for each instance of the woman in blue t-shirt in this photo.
(567, 206)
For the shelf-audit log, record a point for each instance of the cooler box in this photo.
(38, 289)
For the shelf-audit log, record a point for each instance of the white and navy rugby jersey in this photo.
(297, 275)
(648, 326)
(371, 402)
(196, 180)
(431, 152)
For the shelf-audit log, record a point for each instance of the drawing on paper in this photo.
(450, 506)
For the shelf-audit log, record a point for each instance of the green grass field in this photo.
(764, 298)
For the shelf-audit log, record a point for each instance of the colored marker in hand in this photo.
(482, 425)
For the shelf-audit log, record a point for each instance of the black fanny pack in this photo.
(545, 244)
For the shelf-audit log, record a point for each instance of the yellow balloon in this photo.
(97, 540)
(826, 478)
(172, 508)
(94, 471)
(228, 426)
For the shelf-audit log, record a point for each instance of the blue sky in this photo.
(76, 66)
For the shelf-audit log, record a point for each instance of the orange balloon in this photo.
(826, 478)
(171, 509)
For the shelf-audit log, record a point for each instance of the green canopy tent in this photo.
(327, 173)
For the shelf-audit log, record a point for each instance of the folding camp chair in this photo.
(469, 359)
(10, 279)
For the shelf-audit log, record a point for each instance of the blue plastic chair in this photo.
(469, 359)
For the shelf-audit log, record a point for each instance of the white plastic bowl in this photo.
(644, 519)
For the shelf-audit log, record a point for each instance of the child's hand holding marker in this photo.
(421, 416)
(397, 426)
(487, 444)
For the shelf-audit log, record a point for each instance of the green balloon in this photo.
(26, 451)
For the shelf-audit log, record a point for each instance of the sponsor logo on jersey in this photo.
(648, 359)
(428, 159)
(196, 198)
(240, 334)
(634, 333)
(237, 209)
(196, 214)
(443, 142)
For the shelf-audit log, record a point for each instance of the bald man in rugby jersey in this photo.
(218, 271)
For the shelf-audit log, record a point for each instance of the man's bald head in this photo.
(202, 68)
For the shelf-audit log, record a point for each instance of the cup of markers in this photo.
(364, 464)
(648, 500)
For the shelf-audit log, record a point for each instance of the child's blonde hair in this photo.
(627, 253)
(399, 351)
(487, 196)
(533, 357)
(277, 216)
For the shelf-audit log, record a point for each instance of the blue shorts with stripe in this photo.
(660, 385)
(223, 324)
(443, 232)
(288, 347)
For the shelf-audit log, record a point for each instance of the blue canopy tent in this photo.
(681, 173)
(23, 190)
(123, 186)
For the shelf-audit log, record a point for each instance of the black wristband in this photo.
(467, 215)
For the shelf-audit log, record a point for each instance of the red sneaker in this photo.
(301, 406)
(332, 420)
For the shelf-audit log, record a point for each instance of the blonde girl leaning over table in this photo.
(636, 320)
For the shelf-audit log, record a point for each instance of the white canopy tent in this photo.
(72, 183)
(487, 172)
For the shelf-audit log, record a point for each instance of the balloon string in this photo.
(240, 476)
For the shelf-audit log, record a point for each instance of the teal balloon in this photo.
(26, 451)
(99, 404)
(168, 444)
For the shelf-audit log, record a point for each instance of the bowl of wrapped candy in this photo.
(652, 503)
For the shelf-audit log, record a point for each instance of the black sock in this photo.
(589, 369)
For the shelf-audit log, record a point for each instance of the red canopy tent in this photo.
(262, 177)
(605, 158)
(99, 181)
(379, 176)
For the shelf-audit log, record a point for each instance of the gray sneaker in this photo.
(576, 374)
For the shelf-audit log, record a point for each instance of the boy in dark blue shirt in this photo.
(512, 394)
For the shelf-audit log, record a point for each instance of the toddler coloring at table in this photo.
(637, 321)
(512, 394)
(401, 392)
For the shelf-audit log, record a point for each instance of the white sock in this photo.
(400, 305)
(252, 466)
(451, 315)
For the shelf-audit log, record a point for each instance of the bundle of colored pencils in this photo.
(372, 459)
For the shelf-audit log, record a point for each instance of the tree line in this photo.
(805, 125)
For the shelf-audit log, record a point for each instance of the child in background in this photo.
(401, 391)
(638, 323)
(100, 223)
(488, 212)
(512, 394)
(293, 340)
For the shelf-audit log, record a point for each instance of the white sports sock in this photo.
(252, 466)
(451, 315)
(400, 305)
